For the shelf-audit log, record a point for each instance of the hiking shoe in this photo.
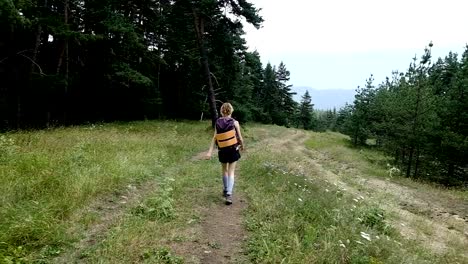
(228, 199)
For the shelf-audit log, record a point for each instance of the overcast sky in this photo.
(337, 44)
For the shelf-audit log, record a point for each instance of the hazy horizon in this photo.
(325, 99)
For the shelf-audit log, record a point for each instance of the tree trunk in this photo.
(451, 169)
(410, 161)
(18, 111)
(199, 28)
(64, 53)
(416, 165)
(36, 47)
(396, 157)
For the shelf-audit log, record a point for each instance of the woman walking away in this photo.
(228, 138)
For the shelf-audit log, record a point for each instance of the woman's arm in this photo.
(236, 124)
(210, 150)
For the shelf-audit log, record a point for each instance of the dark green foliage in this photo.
(418, 117)
(326, 120)
(273, 96)
(374, 217)
(68, 62)
(306, 117)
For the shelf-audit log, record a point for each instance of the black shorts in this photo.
(228, 155)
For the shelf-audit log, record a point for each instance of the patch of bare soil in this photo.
(220, 237)
(224, 232)
(199, 156)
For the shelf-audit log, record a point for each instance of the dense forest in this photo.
(71, 62)
(419, 117)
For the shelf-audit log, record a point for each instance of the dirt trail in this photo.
(436, 220)
(225, 233)
(221, 233)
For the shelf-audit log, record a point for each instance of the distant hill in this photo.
(325, 99)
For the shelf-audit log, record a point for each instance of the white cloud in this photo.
(362, 25)
(352, 39)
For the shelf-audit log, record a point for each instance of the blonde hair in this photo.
(226, 109)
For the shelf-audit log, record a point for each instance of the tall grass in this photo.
(47, 175)
(298, 217)
(338, 147)
(370, 162)
(293, 216)
(297, 220)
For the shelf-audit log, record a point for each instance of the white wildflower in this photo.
(359, 242)
(327, 190)
(300, 200)
(365, 236)
(341, 244)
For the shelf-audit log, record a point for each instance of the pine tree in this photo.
(306, 112)
(287, 105)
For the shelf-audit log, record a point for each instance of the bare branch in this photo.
(40, 69)
(215, 78)
(18, 53)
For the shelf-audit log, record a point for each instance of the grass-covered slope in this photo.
(140, 193)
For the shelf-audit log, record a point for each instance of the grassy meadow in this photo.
(47, 176)
(135, 193)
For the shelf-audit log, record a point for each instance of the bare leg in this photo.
(224, 168)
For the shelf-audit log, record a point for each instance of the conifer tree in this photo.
(306, 112)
